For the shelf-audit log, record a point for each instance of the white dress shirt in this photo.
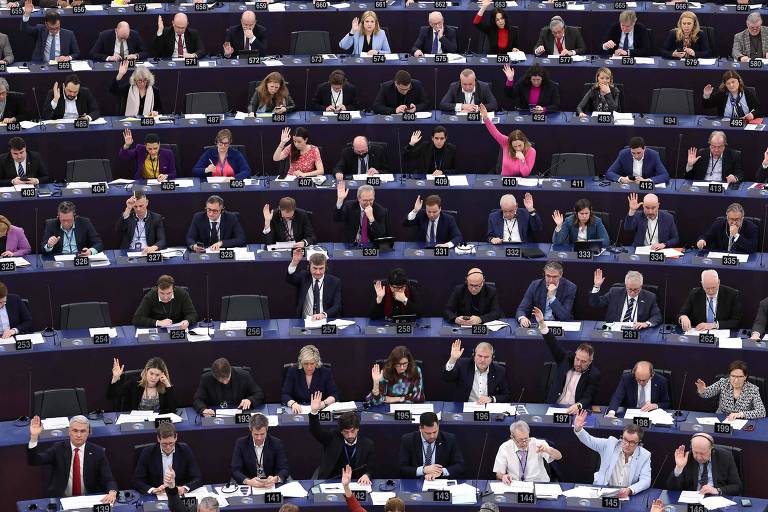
(511, 231)
(637, 167)
(568, 396)
(508, 463)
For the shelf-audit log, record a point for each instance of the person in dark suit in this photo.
(473, 302)
(291, 225)
(429, 453)
(65, 47)
(711, 306)
(248, 36)
(718, 163)
(761, 320)
(480, 379)
(148, 474)
(19, 317)
(536, 92)
(120, 43)
(152, 161)
(731, 99)
(576, 381)
(352, 213)
(733, 233)
(557, 39)
(432, 226)
(20, 165)
(77, 101)
(178, 40)
(306, 378)
(641, 389)
(215, 228)
(318, 294)
(627, 37)
(207, 504)
(139, 228)
(395, 297)
(436, 156)
(552, 294)
(165, 305)
(151, 390)
(637, 163)
(651, 225)
(403, 94)
(13, 109)
(335, 95)
(226, 385)
(510, 224)
(361, 157)
(259, 460)
(467, 94)
(687, 40)
(436, 38)
(630, 304)
(711, 470)
(342, 446)
(76, 453)
(70, 234)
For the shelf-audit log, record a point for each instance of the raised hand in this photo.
(35, 428)
(127, 138)
(355, 25)
(558, 218)
(117, 370)
(633, 204)
(599, 278)
(708, 91)
(285, 135)
(700, 385)
(538, 315)
(376, 374)
(379, 289)
(692, 158)
(418, 204)
(579, 420)
(268, 214)
(316, 401)
(681, 457)
(28, 8)
(416, 137)
(123, 69)
(160, 24)
(346, 477)
(228, 50)
(483, 111)
(341, 191)
(56, 92)
(456, 351)
(509, 72)
(528, 201)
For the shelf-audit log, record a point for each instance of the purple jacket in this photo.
(139, 153)
(17, 242)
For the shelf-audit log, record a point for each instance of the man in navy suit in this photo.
(653, 227)
(468, 94)
(148, 474)
(248, 36)
(733, 233)
(510, 224)
(51, 41)
(627, 37)
(119, 44)
(432, 227)
(711, 306)
(480, 379)
(214, 228)
(473, 302)
(77, 466)
(436, 38)
(429, 453)
(637, 164)
(364, 219)
(70, 234)
(553, 294)
(318, 293)
(642, 389)
(630, 304)
(259, 460)
(15, 317)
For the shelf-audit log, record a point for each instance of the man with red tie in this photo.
(178, 40)
(558, 39)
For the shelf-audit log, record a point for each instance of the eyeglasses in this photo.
(222, 143)
(633, 290)
(401, 365)
(475, 286)
(521, 441)
(212, 210)
(629, 443)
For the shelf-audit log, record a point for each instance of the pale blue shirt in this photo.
(424, 445)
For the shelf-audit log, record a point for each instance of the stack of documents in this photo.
(17, 260)
(55, 423)
(516, 486)
(657, 416)
(711, 420)
(342, 407)
(170, 252)
(719, 333)
(385, 177)
(95, 260)
(180, 182)
(353, 114)
(567, 326)
(548, 491)
(493, 408)
(719, 255)
(80, 502)
(139, 416)
(111, 331)
(709, 502)
(36, 338)
(668, 253)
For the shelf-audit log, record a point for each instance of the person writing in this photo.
(165, 305)
(731, 99)
(518, 154)
(223, 160)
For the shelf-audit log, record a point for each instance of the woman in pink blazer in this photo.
(13, 241)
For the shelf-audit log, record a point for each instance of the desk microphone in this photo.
(306, 93)
(519, 399)
(37, 106)
(23, 421)
(765, 220)
(665, 329)
(434, 88)
(653, 484)
(560, 160)
(48, 331)
(334, 477)
(207, 320)
(176, 97)
(481, 494)
(39, 261)
(468, 46)
(677, 158)
(617, 248)
(678, 412)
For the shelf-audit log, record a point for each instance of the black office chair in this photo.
(137, 449)
(606, 218)
(54, 403)
(252, 85)
(89, 169)
(662, 151)
(573, 164)
(738, 458)
(120, 403)
(620, 87)
(176, 156)
(667, 374)
(668, 100)
(757, 381)
(22, 100)
(757, 221)
(288, 366)
(711, 39)
(649, 31)
(548, 377)
(484, 47)
(244, 368)
(84, 315)
(211, 102)
(244, 307)
(308, 42)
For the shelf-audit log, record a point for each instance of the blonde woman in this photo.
(366, 37)
(603, 96)
(138, 94)
(687, 40)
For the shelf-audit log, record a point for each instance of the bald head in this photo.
(475, 280)
(180, 23)
(701, 447)
(651, 206)
(248, 20)
(642, 372)
(123, 30)
(360, 145)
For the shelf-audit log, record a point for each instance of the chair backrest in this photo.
(288, 366)
(120, 403)
(672, 101)
(52, 403)
(89, 169)
(662, 151)
(606, 218)
(84, 315)
(752, 89)
(308, 42)
(711, 39)
(22, 99)
(757, 221)
(649, 31)
(737, 458)
(244, 368)
(548, 377)
(137, 449)
(244, 307)
(176, 156)
(573, 164)
(252, 85)
(667, 374)
(209, 102)
(146, 289)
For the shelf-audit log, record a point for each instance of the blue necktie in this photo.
(432, 232)
(547, 310)
(435, 43)
(52, 53)
(428, 455)
(21, 171)
(710, 312)
(625, 47)
(628, 313)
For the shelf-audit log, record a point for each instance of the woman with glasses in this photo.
(222, 160)
(138, 94)
(738, 398)
(522, 458)
(151, 390)
(400, 381)
(396, 297)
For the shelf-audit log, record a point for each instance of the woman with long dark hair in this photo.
(400, 381)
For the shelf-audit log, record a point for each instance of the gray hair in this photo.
(208, 504)
(79, 419)
(710, 271)
(633, 275)
(365, 188)
(717, 133)
(485, 345)
(258, 421)
(141, 72)
(4, 85)
(466, 73)
(555, 266)
(507, 198)
(555, 22)
(735, 207)
(519, 426)
(754, 17)
(310, 354)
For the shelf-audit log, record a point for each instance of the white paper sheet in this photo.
(437, 485)
(18, 69)
(423, 115)
(454, 181)
(380, 498)
(18, 260)
(516, 486)
(55, 423)
(716, 502)
(496, 325)
(76, 502)
(737, 424)
(354, 114)
(705, 184)
(657, 416)
(689, 497)
(36, 338)
(719, 255)
(233, 324)
(70, 257)
(389, 56)
(103, 330)
(730, 343)
(548, 491)
(227, 413)
(385, 177)
(342, 407)
(555, 410)
(669, 253)
(81, 65)
(335, 488)
(719, 333)
(414, 408)
(180, 182)
(567, 326)
(83, 184)
(287, 178)
(463, 494)
(293, 490)
(638, 60)
(314, 324)
(493, 408)
(203, 335)
(576, 58)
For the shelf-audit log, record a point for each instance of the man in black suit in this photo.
(178, 40)
(640, 389)
(436, 38)
(361, 158)
(467, 94)
(627, 37)
(436, 156)
(711, 470)
(429, 453)
(473, 302)
(70, 234)
(711, 306)
(148, 474)
(12, 108)
(733, 233)
(207, 504)
(716, 163)
(432, 227)
(557, 39)
(77, 101)
(225, 386)
(761, 320)
(248, 36)
(215, 228)
(119, 44)
(318, 294)
(291, 225)
(403, 94)
(335, 95)
(259, 460)
(77, 466)
(364, 220)
(139, 228)
(480, 379)
(630, 304)
(342, 446)
(576, 381)
(16, 319)
(20, 166)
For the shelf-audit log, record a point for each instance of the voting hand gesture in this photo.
(117, 370)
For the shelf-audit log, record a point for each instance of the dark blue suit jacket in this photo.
(665, 225)
(105, 45)
(652, 166)
(149, 469)
(97, 475)
(295, 385)
(647, 308)
(19, 316)
(569, 233)
(244, 459)
(626, 392)
(536, 295)
(463, 374)
(447, 454)
(331, 292)
(717, 237)
(526, 224)
(234, 158)
(230, 231)
(424, 41)
(40, 34)
(447, 229)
